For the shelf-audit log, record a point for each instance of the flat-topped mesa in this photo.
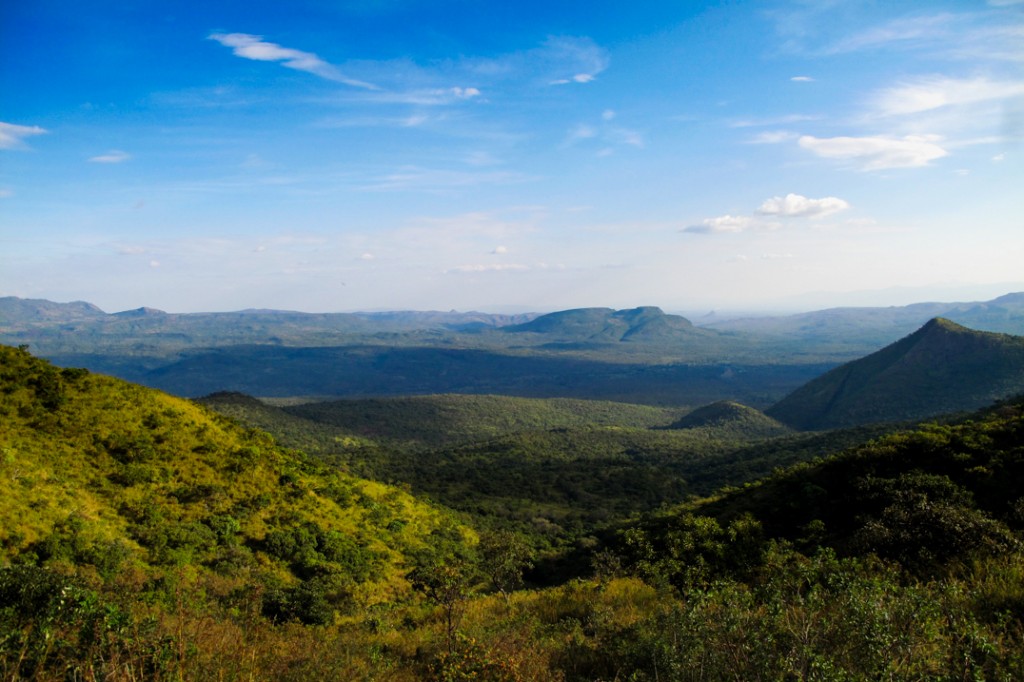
(606, 324)
(140, 312)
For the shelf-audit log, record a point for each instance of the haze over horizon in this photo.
(412, 155)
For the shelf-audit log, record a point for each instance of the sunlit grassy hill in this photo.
(98, 472)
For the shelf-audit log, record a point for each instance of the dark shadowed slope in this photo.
(942, 367)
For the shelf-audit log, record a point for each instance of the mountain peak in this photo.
(942, 367)
(945, 325)
(140, 312)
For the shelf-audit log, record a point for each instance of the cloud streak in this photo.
(113, 156)
(13, 136)
(935, 92)
(254, 47)
(878, 152)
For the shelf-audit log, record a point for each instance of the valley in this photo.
(565, 507)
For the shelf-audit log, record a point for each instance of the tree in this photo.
(447, 583)
(503, 558)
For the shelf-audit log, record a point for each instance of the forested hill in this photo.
(933, 498)
(943, 367)
(133, 484)
(604, 325)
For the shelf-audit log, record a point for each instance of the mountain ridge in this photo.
(942, 367)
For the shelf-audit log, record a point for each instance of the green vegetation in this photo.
(552, 469)
(146, 537)
(456, 419)
(940, 368)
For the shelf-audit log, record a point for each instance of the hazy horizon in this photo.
(801, 304)
(777, 156)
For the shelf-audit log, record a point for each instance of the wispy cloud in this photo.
(113, 156)
(797, 206)
(725, 223)
(254, 47)
(897, 33)
(773, 121)
(878, 152)
(802, 79)
(773, 137)
(493, 267)
(13, 136)
(412, 178)
(934, 92)
(572, 59)
(607, 134)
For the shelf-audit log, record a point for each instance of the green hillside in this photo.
(554, 469)
(604, 325)
(98, 472)
(451, 419)
(145, 537)
(933, 499)
(728, 416)
(943, 367)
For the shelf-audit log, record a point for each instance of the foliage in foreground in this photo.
(319, 585)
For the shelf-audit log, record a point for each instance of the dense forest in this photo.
(148, 537)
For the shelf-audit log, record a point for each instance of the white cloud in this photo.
(509, 267)
(725, 223)
(797, 206)
(773, 137)
(6, 193)
(465, 93)
(607, 114)
(113, 156)
(878, 152)
(1002, 156)
(367, 256)
(12, 136)
(802, 79)
(254, 47)
(934, 92)
(500, 250)
(579, 59)
(624, 136)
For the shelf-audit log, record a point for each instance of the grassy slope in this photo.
(91, 466)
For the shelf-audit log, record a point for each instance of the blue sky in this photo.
(462, 154)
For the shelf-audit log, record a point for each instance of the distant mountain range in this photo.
(942, 367)
(639, 355)
(880, 326)
(52, 328)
